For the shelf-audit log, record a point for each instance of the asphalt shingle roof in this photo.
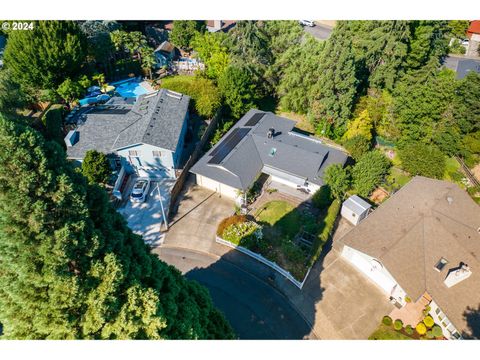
(155, 119)
(288, 151)
(424, 221)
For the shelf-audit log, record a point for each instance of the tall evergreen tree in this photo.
(69, 266)
(44, 57)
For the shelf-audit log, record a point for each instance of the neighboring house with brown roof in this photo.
(424, 243)
(473, 34)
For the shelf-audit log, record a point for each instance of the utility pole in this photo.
(161, 205)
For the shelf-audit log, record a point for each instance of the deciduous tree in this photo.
(369, 171)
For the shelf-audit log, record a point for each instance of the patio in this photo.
(412, 312)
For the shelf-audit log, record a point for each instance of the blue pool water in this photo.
(129, 88)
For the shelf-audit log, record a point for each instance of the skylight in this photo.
(441, 264)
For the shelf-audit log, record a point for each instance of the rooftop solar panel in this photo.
(227, 145)
(254, 119)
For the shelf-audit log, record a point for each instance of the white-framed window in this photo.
(156, 153)
(133, 153)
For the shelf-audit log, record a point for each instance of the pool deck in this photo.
(147, 86)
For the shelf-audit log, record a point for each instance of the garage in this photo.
(218, 187)
(370, 267)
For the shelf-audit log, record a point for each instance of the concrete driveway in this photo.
(195, 223)
(146, 218)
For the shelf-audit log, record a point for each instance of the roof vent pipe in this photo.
(271, 133)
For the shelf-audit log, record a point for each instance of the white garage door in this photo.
(374, 270)
(220, 188)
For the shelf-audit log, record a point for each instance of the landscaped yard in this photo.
(281, 223)
(385, 332)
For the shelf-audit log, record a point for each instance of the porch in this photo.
(412, 313)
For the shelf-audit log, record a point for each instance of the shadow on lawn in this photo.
(270, 306)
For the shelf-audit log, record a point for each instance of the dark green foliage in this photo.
(70, 90)
(71, 268)
(327, 224)
(466, 105)
(52, 120)
(45, 56)
(398, 324)
(422, 159)
(184, 31)
(11, 95)
(222, 128)
(322, 197)
(100, 45)
(96, 167)
(387, 320)
(203, 92)
(338, 179)
(357, 146)
(238, 90)
(458, 28)
(125, 67)
(369, 171)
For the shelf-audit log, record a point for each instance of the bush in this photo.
(428, 321)
(206, 97)
(398, 325)
(387, 320)
(370, 170)
(408, 299)
(357, 146)
(421, 328)
(422, 159)
(430, 334)
(243, 233)
(234, 219)
(326, 231)
(437, 331)
(409, 329)
(322, 197)
(96, 167)
(338, 179)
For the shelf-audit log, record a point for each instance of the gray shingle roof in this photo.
(425, 220)
(288, 151)
(155, 119)
(462, 66)
(356, 204)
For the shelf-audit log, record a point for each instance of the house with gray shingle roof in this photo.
(146, 135)
(262, 142)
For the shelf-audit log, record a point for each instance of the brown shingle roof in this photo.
(424, 221)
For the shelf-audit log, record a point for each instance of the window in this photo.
(156, 153)
(441, 264)
(133, 153)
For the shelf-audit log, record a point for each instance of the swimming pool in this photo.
(130, 88)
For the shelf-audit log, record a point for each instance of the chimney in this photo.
(217, 24)
(71, 138)
(270, 133)
(457, 275)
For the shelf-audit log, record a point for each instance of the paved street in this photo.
(253, 308)
(320, 32)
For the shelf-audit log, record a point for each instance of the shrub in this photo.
(398, 325)
(242, 233)
(52, 119)
(421, 159)
(387, 320)
(437, 331)
(409, 329)
(430, 334)
(370, 170)
(234, 219)
(408, 299)
(357, 146)
(322, 197)
(428, 321)
(338, 179)
(206, 97)
(421, 328)
(96, 167)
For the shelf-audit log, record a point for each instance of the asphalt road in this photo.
(254, 309)
(321, 32)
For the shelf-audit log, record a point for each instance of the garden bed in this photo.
(272, 232)
(395, 330)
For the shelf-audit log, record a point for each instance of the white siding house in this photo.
(355, 209)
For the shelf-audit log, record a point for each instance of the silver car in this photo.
(140, 190)
(309, 23)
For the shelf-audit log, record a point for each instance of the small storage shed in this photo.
(355, 209)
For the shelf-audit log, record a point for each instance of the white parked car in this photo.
(307, 23)
(140, 190)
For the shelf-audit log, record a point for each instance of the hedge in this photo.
(324, 235)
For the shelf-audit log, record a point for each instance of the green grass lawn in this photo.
(387, 333)
(396, 179)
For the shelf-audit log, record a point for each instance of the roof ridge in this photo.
(126, 127)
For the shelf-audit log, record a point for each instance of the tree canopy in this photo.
(184, 32)
(71, 268)
(337, 178)
(422, 159)
(369, 171)
(44, 57)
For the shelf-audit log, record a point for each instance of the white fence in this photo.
(269, 263)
